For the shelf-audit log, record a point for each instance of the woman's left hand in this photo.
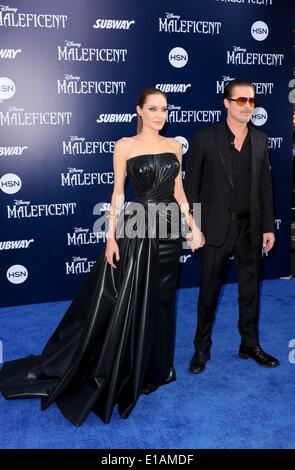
(195, 240)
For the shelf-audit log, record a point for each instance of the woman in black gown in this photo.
(116, 339)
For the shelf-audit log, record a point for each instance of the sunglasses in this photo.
(242, 101)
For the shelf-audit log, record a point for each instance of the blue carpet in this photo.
(233, 404)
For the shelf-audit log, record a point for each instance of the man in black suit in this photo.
(228, 172)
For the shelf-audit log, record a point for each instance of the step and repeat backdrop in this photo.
(70, 75)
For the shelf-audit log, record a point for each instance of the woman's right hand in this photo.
(111, 250)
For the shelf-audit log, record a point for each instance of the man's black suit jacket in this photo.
(208, 180)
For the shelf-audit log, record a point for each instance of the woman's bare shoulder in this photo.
(174, 144)
(124, 145)
(125, 142)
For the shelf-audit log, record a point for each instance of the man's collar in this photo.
(231, 134)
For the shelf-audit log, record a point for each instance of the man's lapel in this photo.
(224, 150)
(254, 155)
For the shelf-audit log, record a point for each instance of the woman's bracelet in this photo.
(187, 213)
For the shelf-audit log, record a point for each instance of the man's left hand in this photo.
(268, 241)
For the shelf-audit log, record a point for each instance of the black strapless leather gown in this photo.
(116, 339)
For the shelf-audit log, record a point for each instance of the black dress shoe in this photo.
(259, 356)
(198, 362)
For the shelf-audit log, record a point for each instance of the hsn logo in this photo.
(259, 116)
(10, 183)
(259, 30)
(7, 89)
(178, 57)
